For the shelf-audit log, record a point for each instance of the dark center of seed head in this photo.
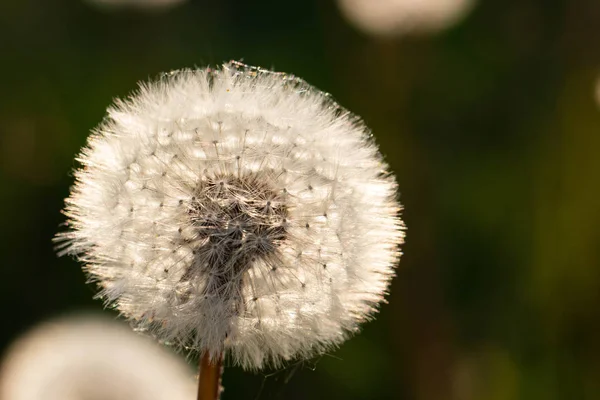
(236, 221)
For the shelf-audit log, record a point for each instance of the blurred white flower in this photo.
(236, 209)
(88, 358)
(145, 4)
(399, 17)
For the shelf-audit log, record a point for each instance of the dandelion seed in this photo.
(236, 210)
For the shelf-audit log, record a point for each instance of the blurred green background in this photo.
(491, 126)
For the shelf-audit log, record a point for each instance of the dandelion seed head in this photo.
(87, 357)
(404, 17)
(236, 210)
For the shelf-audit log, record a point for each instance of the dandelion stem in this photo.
(209, 378)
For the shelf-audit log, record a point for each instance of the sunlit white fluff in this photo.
(400, 17)
(87, 358)
(236, 210)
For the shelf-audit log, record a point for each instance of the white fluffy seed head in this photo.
(91, 358)
(404, 17)
(236, 210)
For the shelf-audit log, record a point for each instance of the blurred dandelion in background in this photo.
(403, 17)
(91, 357)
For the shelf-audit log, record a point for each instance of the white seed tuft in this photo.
(87, 357)
(236, 210)
(404, 17)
